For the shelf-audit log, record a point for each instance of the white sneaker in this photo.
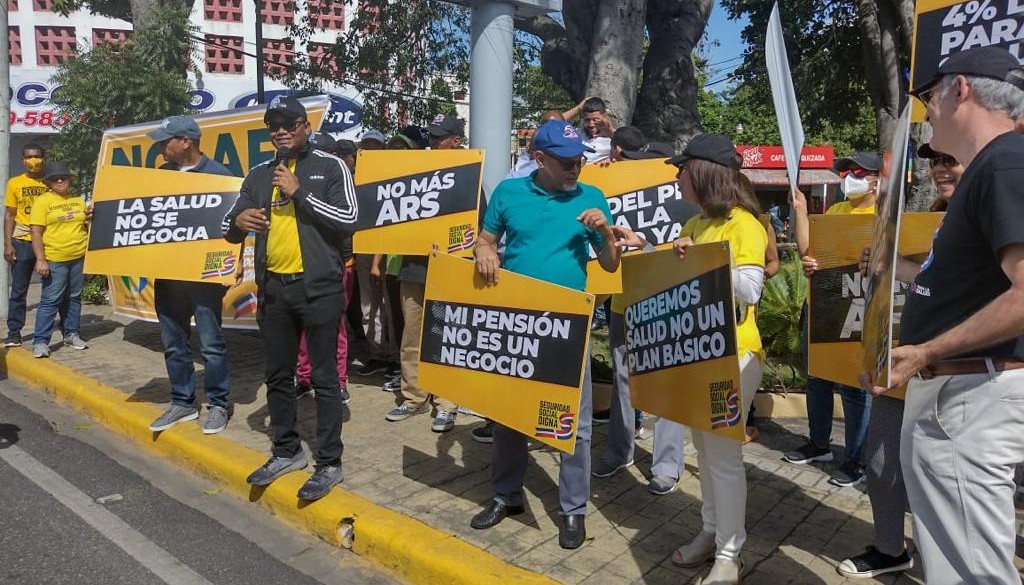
(723, 572)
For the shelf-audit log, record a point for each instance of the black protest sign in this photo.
(420, 196)
(139, 221)
(657, 212)
(518, 343)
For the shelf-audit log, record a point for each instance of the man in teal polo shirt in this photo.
(550, 221)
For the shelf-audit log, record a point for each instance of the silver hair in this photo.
(994, 95)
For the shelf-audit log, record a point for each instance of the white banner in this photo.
(784, 96)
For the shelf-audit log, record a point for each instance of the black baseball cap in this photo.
(288, 107)
(716, 148)
(650, 151)
(345, 147)
(416, 134)
(56, 169)
(869, 161)
(444, 126)
(993, 62)
(323, 141)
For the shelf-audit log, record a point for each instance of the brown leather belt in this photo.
(968, 366)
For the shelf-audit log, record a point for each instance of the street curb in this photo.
(413, 550)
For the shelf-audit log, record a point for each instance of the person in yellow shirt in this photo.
(709, 176)
(860, 174)
(60, 236)
(22, 191)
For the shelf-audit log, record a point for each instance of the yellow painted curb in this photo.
(417, 552)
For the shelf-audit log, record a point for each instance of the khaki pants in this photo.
(412, 309)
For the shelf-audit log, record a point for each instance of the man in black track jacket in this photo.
(301, 205)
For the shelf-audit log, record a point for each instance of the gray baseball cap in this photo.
(176, 126)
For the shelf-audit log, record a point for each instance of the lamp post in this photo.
(260, 98)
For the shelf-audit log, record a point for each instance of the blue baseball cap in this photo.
(183, 126)
(559, 139)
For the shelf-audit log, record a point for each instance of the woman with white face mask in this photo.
(859, 173)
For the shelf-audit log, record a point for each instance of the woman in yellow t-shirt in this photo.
(60, 236)
(709, 176)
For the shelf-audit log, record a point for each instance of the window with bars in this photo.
(327, 14)
(277, 54)
(278, 12)
(109, 36)
(42, 5)
(54, 44)
(14, 48)
(12, 5)
(223, 10)
(320, 56)
(224, 54)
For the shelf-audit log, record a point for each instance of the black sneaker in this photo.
(807, 453)
(602, 417)
(393, 384)
(303, 390)
(372, 368)
(320, 483)
(849, 474)
(873, 563)
(483, 433)
(13, 339)
(345, 397)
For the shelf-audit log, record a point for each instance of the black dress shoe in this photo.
(572, 532)
(494, 513)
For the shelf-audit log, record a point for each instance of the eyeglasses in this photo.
(59, 179)
(943, 160)
(858, 173)
(289, 126)
(568, 164)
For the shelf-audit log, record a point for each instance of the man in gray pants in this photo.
(963, 331)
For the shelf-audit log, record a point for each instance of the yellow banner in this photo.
(945, 27)
(681, 338)
(836, 297)
(410, 200)
(644, 197)
(514, 352)
(161, 224)
(237, 139)
(133, 296)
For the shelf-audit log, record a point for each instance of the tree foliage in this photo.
(138, 80)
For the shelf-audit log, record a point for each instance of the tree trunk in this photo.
(882, 38)
(667, 106)
(565, 54)
(922, 192)
(616, 56)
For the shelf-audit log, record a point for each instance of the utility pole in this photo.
(260, 97)
(5, 142)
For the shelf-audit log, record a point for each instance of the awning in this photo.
(779, 177)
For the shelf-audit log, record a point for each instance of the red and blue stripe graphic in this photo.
(564, 431)
(732, 402)
(245, 305)
(468, 239)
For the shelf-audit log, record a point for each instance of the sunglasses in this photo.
(62, 179)
(926, 96)
(289, 126)
(858, 173)
(943, 160)
(568, 164)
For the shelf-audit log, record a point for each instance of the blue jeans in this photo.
(21, 275)
(856, 413)
(62, 292)
(177, 302)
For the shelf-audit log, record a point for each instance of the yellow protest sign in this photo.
(643, 196)
(945, 27)
(681, 338)
(237, 139)
(514, 351)
(410, 200)
(161, 224)
(133, 296)
(836, 297)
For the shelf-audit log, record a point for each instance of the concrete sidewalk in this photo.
(799, 526)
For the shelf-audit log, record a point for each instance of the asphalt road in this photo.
(79, 505)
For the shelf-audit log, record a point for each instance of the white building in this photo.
(41, 39)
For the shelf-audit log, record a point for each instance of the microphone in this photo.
(282, 156)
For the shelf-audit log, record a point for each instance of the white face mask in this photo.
(855, 188)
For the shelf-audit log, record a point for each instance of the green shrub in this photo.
(94, 291)
(778, 319)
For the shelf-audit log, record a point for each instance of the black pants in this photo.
(287, 312)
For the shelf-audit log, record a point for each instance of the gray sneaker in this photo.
(216, 420)
(40, 350)
(443, 422)
(404, 411)
(275, 467)
(74, 341)
(606, 469)
(661, 485)
(174, 415)
(320, 483)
